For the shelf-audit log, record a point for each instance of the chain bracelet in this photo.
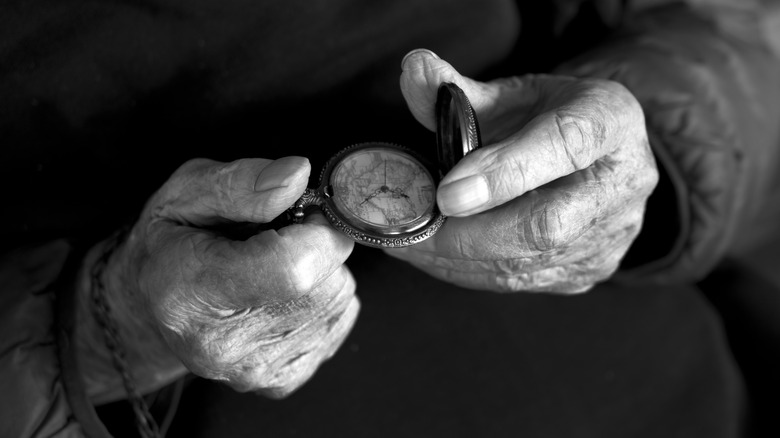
(145, 423)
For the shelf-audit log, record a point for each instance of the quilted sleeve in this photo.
(709, 83)
(35, 402)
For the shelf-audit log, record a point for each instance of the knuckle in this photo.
(302, 278)
(271, 379)
(204, 351)
(194, 165)
(348, 284)
(577, 289)
(620, 102)
(605, 270)
(190, 173)
(577, 135)
(509, 172)
(512, 283)
(277, 393)
(227, 187)
(337, 322)
(293, 271)
(542, 230)
(180, 181)
(293, 371)
(650, 176)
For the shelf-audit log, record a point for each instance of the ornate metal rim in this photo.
(383, 241)
(367, 236)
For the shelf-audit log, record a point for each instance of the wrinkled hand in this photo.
(260, 314)
(556, 195)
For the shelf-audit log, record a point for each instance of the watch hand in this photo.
(399, 192)
(376, 192)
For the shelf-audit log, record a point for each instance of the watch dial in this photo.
(383, 187)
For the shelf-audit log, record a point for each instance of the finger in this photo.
(544, 220)
(422, 73)
(500, 105)
(531, 234)
(316, 341)
(204, 192)
(276, 349)
(551, 251)
(552, 280)
(590, 122)
(223, 275)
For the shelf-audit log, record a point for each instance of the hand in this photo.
(260, 314)
(556, 196)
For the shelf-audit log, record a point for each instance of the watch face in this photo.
(385, 189)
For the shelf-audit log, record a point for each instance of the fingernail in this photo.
(417, 52)
(463, 196)
(283, 172)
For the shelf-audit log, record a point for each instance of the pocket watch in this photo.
(384, 195)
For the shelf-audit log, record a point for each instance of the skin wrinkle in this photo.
(286, 308)
(513, 171)
(535, 232)
(331, 322)
(461, 245)
(226, 355)
(216, 273)
(245, 329)
(167, 301)
(197, 296)
(576, 157)
(236, 342)
(522, 219)
(502, 284)
(511, 266)
(277, 254)
(478, 266)
(299, 266)
(295, 358)
(601, 269)
(227, 194)
(284, 382)
(543, 281)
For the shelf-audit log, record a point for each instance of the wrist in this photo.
(150, 363)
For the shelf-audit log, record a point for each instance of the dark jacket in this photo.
(100, 102)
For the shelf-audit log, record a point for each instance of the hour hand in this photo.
(376, 192)
(399, 192)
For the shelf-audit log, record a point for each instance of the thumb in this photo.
(422, 73)
(205, 192)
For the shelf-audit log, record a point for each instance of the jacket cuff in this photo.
(662, 246)
(33, 351)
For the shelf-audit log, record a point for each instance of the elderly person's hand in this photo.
(260, 313)
(556, 195)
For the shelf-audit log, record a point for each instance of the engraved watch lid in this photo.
(457, 129)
